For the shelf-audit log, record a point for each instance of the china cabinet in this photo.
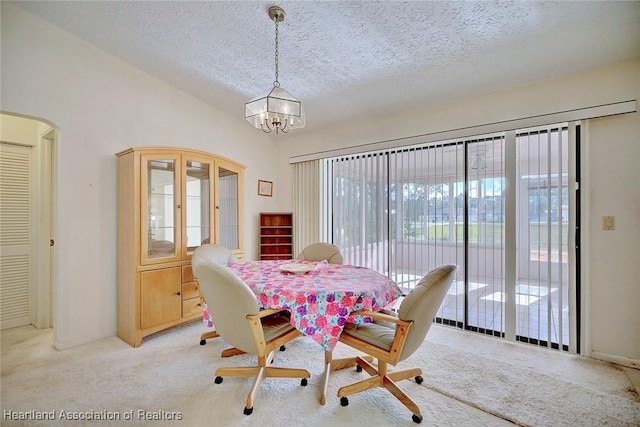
(170, 201)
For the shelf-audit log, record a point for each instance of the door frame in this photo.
(44, 231)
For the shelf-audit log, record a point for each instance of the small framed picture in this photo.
(265, 188)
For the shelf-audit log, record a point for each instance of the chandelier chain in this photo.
(276, 83)
(277, 111)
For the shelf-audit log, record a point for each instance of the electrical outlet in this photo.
(608, 223)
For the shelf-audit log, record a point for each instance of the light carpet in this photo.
(470, 380)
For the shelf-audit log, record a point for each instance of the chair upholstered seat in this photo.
(392, 337)
(379, 334)
(275, 325)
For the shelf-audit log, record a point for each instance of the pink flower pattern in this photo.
(321, 301)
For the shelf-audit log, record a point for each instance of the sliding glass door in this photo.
(405, 211)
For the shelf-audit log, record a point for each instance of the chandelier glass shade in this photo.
(277, 110)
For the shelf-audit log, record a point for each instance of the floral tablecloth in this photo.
(321, 301)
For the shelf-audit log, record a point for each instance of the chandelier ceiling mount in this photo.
(277, 110)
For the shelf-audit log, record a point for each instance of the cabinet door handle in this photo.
(178, 293)
(179, 206)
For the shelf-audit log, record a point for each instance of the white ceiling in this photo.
(349, 59)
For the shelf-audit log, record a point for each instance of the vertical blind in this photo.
(543, 165)
(306, 204)
(405, 211)
(357, 212)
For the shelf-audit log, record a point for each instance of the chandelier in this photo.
(277, 110)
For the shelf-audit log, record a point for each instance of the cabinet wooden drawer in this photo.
(187, 274)
(190, 290)
(191, 306)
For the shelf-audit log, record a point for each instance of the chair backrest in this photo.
(421, 304)
(320, 252)
(212, 253)
(230, 300)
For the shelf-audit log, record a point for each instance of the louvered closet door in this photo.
(15, 235)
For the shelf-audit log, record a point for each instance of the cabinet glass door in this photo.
(197, 217)
(160, 237)
(228, 208)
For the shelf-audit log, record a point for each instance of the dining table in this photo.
(321, 297)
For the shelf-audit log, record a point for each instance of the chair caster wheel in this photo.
(416, 418)
(282, 348)
(303, 382)
(218, 380)
(203, 342)
(248, 411)
(345, 402)
(419, 379)
(358, 368)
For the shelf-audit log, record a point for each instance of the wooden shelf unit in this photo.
(276, 235)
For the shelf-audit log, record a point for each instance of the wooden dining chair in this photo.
(240, 322)
(220, 255)
(392, 337)
(210, 252)
(321, 252)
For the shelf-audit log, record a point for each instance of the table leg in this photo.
(325, 380)
(331, 365)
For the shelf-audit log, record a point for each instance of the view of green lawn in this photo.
(487, 232)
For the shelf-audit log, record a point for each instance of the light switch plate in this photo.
(608, 223)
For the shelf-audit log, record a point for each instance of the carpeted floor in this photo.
(470, 380)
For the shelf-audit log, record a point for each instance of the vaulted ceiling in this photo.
(351, 59)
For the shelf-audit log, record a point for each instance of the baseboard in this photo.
(66, 345)
(618, 360)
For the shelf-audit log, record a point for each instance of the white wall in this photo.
(614, 190)
(613, 166)
(100, 106)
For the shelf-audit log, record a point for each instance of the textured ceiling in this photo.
(350, 59)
